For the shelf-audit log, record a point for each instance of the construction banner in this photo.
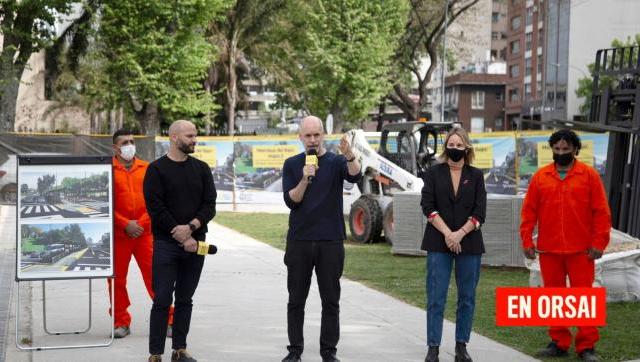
(252, 165)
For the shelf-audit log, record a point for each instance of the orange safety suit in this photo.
(572, 215)
(129, 205)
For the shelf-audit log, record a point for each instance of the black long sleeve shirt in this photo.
(318, 216)
(178, 192)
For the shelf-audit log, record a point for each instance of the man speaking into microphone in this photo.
(181, 200)
(312, 185)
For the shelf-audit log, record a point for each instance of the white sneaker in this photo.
(121, 332)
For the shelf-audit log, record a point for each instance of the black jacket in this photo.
(471, 200)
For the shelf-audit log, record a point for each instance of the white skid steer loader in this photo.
(406, 150)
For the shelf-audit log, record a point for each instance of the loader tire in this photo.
(365, 220)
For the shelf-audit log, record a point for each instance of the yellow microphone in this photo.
(311, 159)
(206, 249)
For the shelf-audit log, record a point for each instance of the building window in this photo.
(515, 22)
(540, 37)
(477, 100)
(514, 70)
(540, 64)
(497, 124)
(529, 16)
(503, 54)
(527, 91)
(477, 124)
(496, 35)
(515, 47)
(539, 88)
(528, 40)
(513, 95)
(495, 17)
(527, 66)
(499, 96)
(454, 97)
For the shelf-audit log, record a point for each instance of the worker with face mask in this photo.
(566, 200)
(132, 227)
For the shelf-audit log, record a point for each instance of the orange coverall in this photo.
(573, 215)
(129, 205)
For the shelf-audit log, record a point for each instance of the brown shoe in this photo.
(182, 356)
(155, 358)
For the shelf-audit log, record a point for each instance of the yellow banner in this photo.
(206, 154)
(484, 155)
(545, 156)
(272, 156)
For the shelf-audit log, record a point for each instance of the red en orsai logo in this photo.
(551, 307)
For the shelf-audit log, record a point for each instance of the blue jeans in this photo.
(439, 267)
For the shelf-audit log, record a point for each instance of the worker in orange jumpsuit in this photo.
(132, 228)
(566, 199)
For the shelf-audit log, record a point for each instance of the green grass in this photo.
(404, 278)
(28, 246)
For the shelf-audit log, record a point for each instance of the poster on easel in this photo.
(64, 217)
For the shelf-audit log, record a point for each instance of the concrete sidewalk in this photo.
(239, 315)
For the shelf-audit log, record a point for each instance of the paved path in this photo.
(239, 315)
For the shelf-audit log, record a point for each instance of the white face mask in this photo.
(128, 152)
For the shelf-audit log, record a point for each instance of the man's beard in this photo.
(186, 148)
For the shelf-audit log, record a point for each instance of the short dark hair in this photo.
(567, 135)
(121, 132)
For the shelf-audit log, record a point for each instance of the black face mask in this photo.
(564, 159)
(455, 154)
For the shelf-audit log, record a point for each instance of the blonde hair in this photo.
(470, 155)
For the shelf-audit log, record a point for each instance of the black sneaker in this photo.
(432, 354)
(330, 358)
(461, 353)
(588, 355)
(181, 355)
(552, 350)
(292, 357)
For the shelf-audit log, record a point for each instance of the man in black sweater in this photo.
(181, 200)
(316, 234)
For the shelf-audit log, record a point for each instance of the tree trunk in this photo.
(10, 74)
(148, 119)
(8, 100)
(338, 118)
(232, 78)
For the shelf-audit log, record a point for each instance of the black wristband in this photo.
(192, 227)
(353, 159)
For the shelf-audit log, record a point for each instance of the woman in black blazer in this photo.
(454, 200)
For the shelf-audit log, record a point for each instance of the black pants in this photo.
(328, 259)
(174, 270)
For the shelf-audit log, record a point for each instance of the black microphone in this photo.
(204, 248)
(311, 159)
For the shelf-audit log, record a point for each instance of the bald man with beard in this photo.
(181, 200)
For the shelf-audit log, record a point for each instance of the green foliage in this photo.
(34, 237)
(340, 54)
(585, 84)
(29, 25)
(155, 51)
(44, 183)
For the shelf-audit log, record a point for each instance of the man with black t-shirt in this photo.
(316, 234)
(181, 200)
